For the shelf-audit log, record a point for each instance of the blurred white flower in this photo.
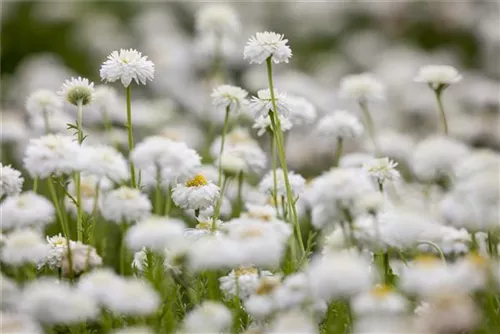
(267, 44)
(209, 316)
(382, 170)
(104, 162)
(155, 233)
(23, 246)
(43, 103)
(26, 210)
(302, 112)
(11, 181)
(125, 65)
(132, 297)
(362, 87)
(241, 282)
(217, 18)
(196, 194)
(380, 301)
(294, 321)
(339, 124)
(227, 96)
(263, 124)
(438, 75)
(77, 91)
(125, 205)
(297, 183)
(261, 104)
(16, 323)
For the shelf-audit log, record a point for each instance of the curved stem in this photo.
(130, 136)
(433, 245)
(338, 152)
(442, 114)
(370, 126)
(223, 139)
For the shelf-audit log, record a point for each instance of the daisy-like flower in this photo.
(43, 103)
(104, 162)
(263, 123)
(22, 247)
(52, 154)
(262, 103)
(196, 194)
(15, 323)
(77, 91)
(219, 19)
(92, 187)
(297, 183)
(302, 112)
(26, 210)
(228, 96)
(132, 297)
(362, 87)
(267, 44)
(208, 317)
(155, 233)
(381, 170)
(438, 75)
(381, 300)
(125, 205)
(242, 282)
(339, 124)
(11, 181)
(125, 65)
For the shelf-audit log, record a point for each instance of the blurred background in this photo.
(43, 43)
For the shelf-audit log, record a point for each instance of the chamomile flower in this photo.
(302, 112)
(362, 87)
(17, 323)
(26, 210)
(267, 44)
(293, 321)
(56, 302)
(43, 103)
(77, 91)
(52, 154)
(382, 170)
(99, 284)
(381, 300)
(23, 247)
(10, 293)
(241, 282)
(127, 65)
(125, 205)
(263, 124)
(218, 18)
(91, 188)
(196, 194)
(11, 181)
(104, 162)
(261, 104)
(228, 97)
(438, 75)
(339, 125)
(155, 233)
(297, 183)
(209, 316)
(132, 297)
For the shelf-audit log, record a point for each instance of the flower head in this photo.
(217, 18)
(340, 124)
(227, 96)
(262, 103)
(125, 65)
(267, 44)
(381, 170)
(11, 181)
(23, 246)
(125, 204)
(77, 91)
(43, 102)
(26, 210)
(362, 87)
(263, 123)
(438, 75)
(197, 193)
(209, 316)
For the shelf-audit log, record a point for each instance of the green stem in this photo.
(109, 128)
(273, 166)
(442, 115)
(79, 211)
(130, 136)
(225, 183)
(223, 139)
(95, 215)
(46, 122)
(338, 152)
(123, 248)
(275, 122)
(491, 245)
(239, 197)
(159, 192)
(433, 245)
(35, 185)
(370, 126)
(387, 269)
(168, 200)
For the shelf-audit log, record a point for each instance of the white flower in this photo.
(9, 292)
(217, 18)
(22, 247)
(261, 104)
(125, 205)
(155, 233)
(77, 91)
(438, 75)
(214, 252)
(208, 317)
(99, 284)
(56, 302)
(17, 323)
(132, 297)
(227, 96)
(241, 282)
(196, 194)
(104, 162)
(339, 125)
(11, 181)
(26, 210)
(232, 164)
(293, 321)
(105, 105)
(125, 65)
(297, 183)
(263, 124)
(92, 188)
(52, 154)
(381, 170)
(302, 111)
(337, 275)
(267, 44)
(381, 301)
(436, 156)
(43, 103)
(362, 87)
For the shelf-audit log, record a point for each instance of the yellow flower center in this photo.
(87, 190)
(204, 226)
(197, 181)
(252, 232)
(245, 271)
(128, 194)
(477, 259)
(426, 260)
(267, 285)
(381, 291)
(260, 215)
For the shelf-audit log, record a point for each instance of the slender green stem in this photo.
(273, 166)
(77, 176)
(433, 245)
(338, 151)
(223, 139)
(387, 269)
(370, 126)
(79, 122)
(133, 183)
(123, 248)
(275, 122)
(225, 183)
(158, 192)
(168, 201)
(109, 128)
(46, 122)
(35, 185)
(442, 115)
(239, 197)
(95, 214)
(491, 245)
